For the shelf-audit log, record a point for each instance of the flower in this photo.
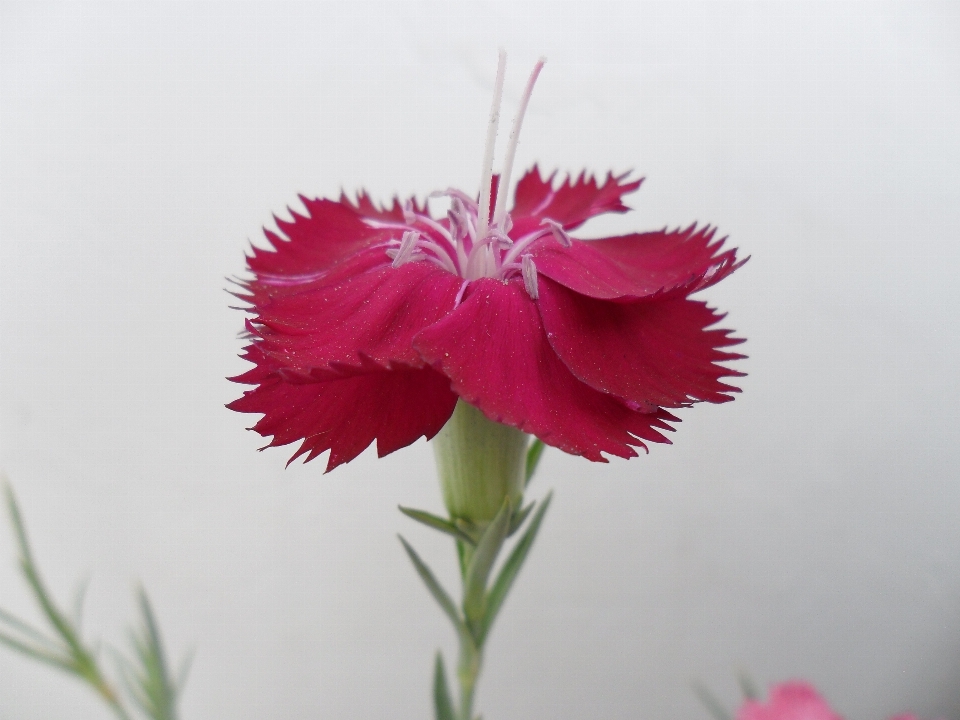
(795, 700)
(370, 322)
(789, 701)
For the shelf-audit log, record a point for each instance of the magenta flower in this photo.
(370, 322)
(789, 701)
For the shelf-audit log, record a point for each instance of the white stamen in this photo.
(463, 289)
(514, 140)
(409, 217)
(407, 246)
(457, 194)
(487, 172)
(530, 277)
(559, 234)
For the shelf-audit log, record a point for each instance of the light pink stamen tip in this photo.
(559, 234)
(407, 246)
(529, 271)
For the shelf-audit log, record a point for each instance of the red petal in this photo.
(494, 350)
(344, 415)
(571, 204)
(657, 352)
(329, 232)
(638, 265)
(376, 314)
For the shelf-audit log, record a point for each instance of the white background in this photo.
(809, 529)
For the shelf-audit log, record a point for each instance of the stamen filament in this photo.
(513, 142)
(522, 244)
(487, 173)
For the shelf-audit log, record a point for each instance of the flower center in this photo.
(466, 242)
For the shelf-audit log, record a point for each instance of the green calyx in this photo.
(481, 463)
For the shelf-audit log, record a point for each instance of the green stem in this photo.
(471, 659)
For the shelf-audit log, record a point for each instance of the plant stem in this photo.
(471, 659)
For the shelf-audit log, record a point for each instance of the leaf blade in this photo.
(433, 585)
(442, 703)
(437, 523)
(534, 453)
(478, 570)
(511, 568)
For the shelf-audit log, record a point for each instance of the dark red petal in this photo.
(494, 350)
(638, 265)
(657, 352)
(376, 314)
(329, 232)
(260, 291)
(344, 415)
(572, 203)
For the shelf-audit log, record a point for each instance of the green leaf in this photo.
(36, 653)
(74, 656)
(437, 523)
(439, 594)
(498, 593)
(20, 626)
(518, 517)
(150, 683)
(29, 570)
(747, 686)
(442, 703)
(478, 569)
(713, 706)
(533, 458)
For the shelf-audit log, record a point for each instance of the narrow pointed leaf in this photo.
(471, 530)
(533, 458)
(442, 703)
(36, 653)
(32, 577)
(747, 686)
(437, 523)
(713, 706)
(78, 602)
(478, 570)
(498, 593)
(518, 518)
(153, 690)
(20, 626)
(433, 585)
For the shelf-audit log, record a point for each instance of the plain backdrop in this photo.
(807, 530)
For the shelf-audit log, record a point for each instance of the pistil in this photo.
(486, 173)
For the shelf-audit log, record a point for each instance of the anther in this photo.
(559, 234)
(529, 271)
(407, 247)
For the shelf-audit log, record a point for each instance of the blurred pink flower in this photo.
(795, 700)
(789, 701)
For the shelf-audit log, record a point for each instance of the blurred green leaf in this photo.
(710, 702)
(511, 568)
(518, 517)
(437, 523)
(747, 686)
(147, 679)
(533, 458)
(69, 652)
(36, 653)
(442, 703)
